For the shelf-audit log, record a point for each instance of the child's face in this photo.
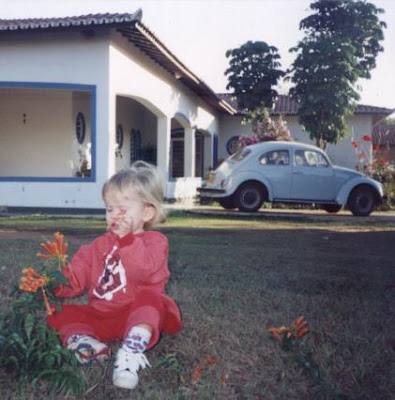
(126, 212)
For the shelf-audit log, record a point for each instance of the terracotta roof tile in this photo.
(64, 22)
(286, 105)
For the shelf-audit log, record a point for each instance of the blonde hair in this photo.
(147, 180)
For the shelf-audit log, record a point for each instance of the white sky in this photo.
(199, 32)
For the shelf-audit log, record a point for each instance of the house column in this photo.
(112, 119)
(163, 145)
(189, 152)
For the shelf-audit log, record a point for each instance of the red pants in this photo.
(106, 326)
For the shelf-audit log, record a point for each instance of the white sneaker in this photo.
(125, 368)
(88, 349)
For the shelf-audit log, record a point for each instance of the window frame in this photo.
(92, 108)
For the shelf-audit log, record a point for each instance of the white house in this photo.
(82, 97)
(360, 124)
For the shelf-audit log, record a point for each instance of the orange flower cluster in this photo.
(31, 281)
(55, 250)
(294, 332)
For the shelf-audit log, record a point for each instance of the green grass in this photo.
(235, 277)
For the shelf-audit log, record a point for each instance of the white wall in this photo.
(114, 67)
(57, 58)
(133, 75)
(342, 153)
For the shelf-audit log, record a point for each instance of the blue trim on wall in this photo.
(64, 86)
(215, 150)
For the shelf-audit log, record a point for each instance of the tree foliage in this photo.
(253, 72)
(341, 43)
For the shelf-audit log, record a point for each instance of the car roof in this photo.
(258, 147)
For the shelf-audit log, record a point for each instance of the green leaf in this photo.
(29, 325)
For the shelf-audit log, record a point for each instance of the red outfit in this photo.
(125, 279)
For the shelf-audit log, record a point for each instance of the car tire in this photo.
(362, 201)
(332, 208)
(250, 197)
(227, 203)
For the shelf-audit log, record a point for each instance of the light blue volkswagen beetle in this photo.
(289, 172)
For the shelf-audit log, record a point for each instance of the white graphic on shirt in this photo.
(113, 277)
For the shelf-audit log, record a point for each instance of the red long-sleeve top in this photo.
(113, 270)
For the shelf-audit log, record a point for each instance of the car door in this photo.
(312, 176)
(275, 165)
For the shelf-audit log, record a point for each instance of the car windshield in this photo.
(240, 154)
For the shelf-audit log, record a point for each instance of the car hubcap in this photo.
(364, 202)
(250, 198)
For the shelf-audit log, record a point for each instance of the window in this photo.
(276, 157)
(310, 158)
(232, 145)
(58, 117)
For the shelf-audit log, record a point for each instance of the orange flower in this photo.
(275, 333)
(31, 281)
(354, 144)
(296, 331)
(301, 326)
(56, 250)
(48, 306)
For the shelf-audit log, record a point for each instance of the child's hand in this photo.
(122, 224)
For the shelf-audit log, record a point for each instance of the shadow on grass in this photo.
(231, 285)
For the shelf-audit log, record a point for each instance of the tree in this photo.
(253, 72)
(341, 44)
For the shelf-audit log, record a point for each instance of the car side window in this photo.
(309, 158)
(322, 161)
(276, 157)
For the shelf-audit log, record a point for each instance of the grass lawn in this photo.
(233, 278)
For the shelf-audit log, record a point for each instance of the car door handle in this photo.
(298, 172)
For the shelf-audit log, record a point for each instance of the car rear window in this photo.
(276, 157)
(240, 154)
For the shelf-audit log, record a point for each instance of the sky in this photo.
(199, 32)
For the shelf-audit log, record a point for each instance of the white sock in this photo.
(137, 340)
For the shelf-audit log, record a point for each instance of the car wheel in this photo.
(332, 208)
(250, 197)
(362, 201)
(227, 202)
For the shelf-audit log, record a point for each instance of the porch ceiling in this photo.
(131, 27)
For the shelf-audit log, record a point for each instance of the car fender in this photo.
(238, 179)
(346, 189)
